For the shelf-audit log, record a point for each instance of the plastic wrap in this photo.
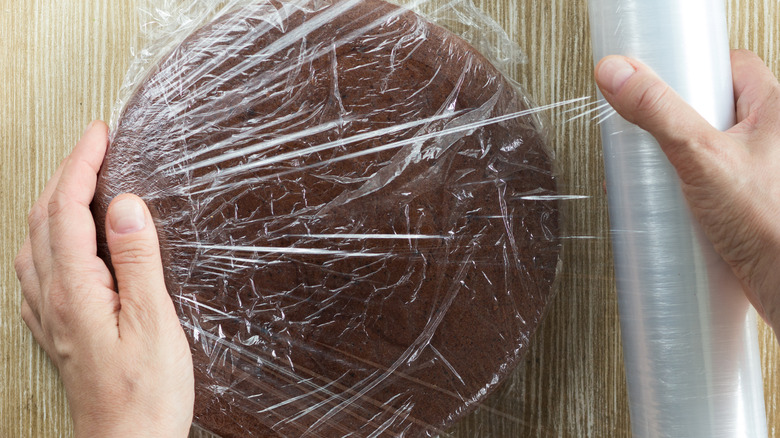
(689, 335)
(357, 211)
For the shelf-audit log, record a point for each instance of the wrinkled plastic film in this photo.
(168, 22)
(357, 211)
(689, 335)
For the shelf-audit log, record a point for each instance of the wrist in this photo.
(113, 420)
(128, 428)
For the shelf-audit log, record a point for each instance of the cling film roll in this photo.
(689, 334)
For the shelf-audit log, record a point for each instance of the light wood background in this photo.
(61, 65)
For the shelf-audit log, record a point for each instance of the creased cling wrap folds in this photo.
(356, 211)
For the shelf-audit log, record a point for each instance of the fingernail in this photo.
(614, 72)
(91, 124)
(126, 216)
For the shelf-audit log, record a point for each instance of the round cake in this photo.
(356, 217)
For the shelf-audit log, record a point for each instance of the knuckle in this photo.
(743, 53)
(650, 100)
(62, 348)
(58, 204)
(701, 161)
(28, 316)
(137, 252)
(745, 58)
(30, 294)
(57, 308)
(699, 144)
(21, 265)
(37, 216)
(715, 160)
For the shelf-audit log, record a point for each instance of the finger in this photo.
(71, 226)
(38, 222)
(135, 256)
(754, 83)
(25, 272)
(642, 98)
(34, 324)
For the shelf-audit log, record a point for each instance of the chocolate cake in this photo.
(356, 223)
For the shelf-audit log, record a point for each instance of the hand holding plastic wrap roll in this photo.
(356, 211)
(689, 335)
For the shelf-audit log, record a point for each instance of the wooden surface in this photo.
(61, 65)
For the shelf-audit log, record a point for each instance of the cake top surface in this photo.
(354, 213)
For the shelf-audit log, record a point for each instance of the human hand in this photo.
(123, 357)
(731, 180)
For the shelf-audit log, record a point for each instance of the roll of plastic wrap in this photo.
(689, 335)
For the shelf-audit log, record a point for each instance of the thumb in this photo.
(135, 256)
(642, 98)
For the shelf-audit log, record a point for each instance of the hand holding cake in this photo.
(730, 179)
(122, 355)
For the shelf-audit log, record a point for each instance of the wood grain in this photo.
(61, 65)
